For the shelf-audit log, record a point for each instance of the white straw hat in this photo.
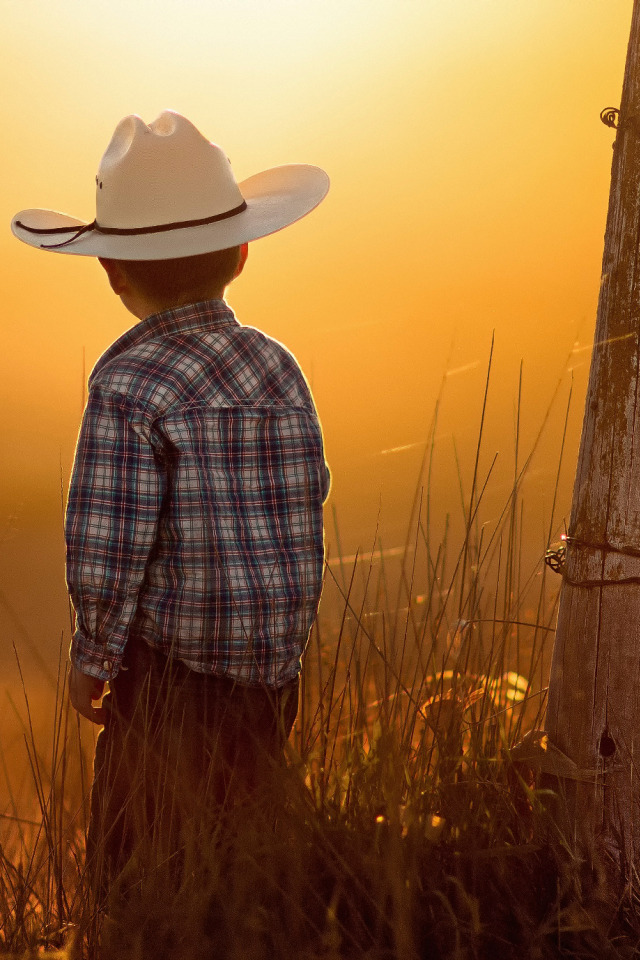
(163, 191)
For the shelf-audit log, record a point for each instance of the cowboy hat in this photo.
(164, 191)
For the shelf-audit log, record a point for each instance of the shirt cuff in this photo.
(99, 660)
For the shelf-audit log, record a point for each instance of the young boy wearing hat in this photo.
(194, 520)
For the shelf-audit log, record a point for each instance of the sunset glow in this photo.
(470, 176)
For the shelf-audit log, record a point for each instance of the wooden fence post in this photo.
(593, 713)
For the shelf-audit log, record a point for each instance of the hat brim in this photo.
(275, 198)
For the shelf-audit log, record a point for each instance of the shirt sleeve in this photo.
(116, 490)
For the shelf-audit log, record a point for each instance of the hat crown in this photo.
(162, 172)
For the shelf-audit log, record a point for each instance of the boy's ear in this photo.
(244, 253)
(114, 272)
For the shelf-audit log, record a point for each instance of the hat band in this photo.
(127, 231)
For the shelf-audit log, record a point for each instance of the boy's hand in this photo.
(82, 690)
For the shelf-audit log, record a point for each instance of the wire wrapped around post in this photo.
(555, 558)
(609, 117)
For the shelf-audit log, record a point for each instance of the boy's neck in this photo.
(142, 307)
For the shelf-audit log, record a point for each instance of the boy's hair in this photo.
(183, 280)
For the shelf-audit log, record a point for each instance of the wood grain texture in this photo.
(593, 711)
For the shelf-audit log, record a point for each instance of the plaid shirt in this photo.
(194, 518)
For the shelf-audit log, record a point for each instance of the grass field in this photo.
(403, 825)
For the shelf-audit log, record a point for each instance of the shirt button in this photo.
(106, 665)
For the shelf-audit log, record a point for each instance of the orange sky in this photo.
(470, 177)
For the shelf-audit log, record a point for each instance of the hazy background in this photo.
(470, 176)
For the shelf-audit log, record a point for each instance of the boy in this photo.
(194, 520)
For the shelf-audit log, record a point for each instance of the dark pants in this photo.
(179, 750)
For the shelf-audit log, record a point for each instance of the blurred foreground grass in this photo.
(402, 826)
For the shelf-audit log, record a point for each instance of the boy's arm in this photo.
(114, 502)
(326, 480)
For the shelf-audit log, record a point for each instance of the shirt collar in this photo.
(195, 318)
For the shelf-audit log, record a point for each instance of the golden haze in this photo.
(470, 179)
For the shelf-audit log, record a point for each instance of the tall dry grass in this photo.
(401, 826)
